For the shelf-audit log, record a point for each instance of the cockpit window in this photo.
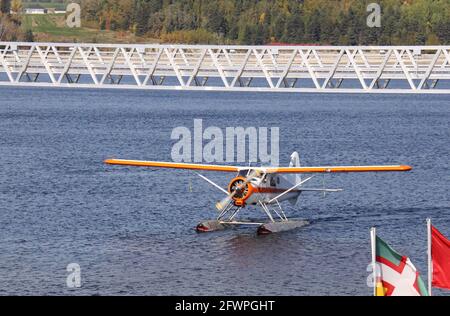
(243, 173)
(272, 182)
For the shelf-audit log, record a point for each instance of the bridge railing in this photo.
(405, 69)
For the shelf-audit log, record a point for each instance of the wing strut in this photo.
(289, 190)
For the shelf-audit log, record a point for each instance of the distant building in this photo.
(42, 11)
(36, 11)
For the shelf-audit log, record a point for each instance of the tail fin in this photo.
(295, 178)
(295, 162)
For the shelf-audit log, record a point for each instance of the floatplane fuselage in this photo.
(265, 187)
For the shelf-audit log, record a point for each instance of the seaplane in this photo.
(264, 187)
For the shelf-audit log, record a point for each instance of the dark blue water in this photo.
(131, 229)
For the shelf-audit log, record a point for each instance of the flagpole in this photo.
(373, 234)
(430, 265)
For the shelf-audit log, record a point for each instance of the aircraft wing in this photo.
(335, 169)
(172, 165)
(224, 168)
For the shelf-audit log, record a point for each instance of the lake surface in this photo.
(131, 230)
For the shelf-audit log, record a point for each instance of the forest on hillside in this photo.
(330, 22)
(264, 21)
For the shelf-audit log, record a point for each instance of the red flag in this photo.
(440, 254)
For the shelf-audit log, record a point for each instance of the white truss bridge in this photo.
(360, 69)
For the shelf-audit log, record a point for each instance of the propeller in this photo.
(221, 205)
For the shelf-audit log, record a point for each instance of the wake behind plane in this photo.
(265, 187)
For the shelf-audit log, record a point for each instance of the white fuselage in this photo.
(270, 186)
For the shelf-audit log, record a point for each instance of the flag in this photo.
(440, 254)
(397, 276)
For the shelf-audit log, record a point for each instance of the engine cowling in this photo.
(242, 191)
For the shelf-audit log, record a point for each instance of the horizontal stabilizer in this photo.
(321, 190)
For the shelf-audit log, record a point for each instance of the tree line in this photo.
(10, 25)
(341, 22)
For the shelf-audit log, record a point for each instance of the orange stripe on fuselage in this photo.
(272, 190)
